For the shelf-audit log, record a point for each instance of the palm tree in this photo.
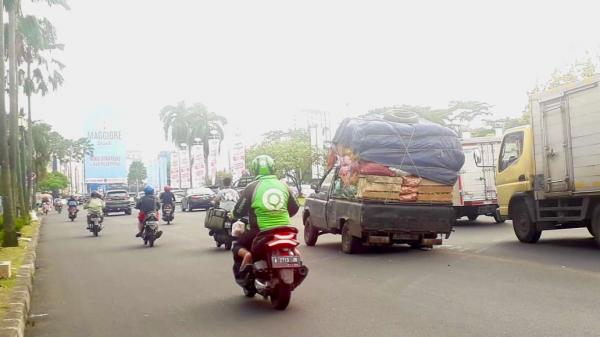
(10, 235)
(207, 125)
(188, 124)
(36, 38)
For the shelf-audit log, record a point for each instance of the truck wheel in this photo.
(595, 228)
(525, 229)
(311, 234)
(350, 244)
(498, 218)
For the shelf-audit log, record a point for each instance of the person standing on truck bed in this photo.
(267, 202)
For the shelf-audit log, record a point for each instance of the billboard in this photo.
(238, 159)
(198, 169)
(108, 163)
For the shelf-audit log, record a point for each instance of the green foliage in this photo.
(137, 173)
(456, 116)
(48, 144)
(222, 175)
(53, 181)
(291, 152)
(192, 124)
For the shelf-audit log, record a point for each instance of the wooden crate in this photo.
(435, 197)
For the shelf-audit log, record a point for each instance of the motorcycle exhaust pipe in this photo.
(302, 272)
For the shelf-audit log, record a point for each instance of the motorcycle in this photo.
(58, 208)
(73, 213)
(150, 232)
(219, 224)
(168, 215)
(278, 267)
(95, 223)
(45, 208)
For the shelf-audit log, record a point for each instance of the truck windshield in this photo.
(512, 148)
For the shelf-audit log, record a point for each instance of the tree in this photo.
(137, 173)
(10, 234)
(291, 152)
(54, 182)
(37, 39)
(456, 116)
(192, 125)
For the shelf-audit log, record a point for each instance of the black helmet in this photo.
(95, 194)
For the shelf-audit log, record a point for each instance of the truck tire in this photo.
(595, 227)
(498, 218)
(311, 233)
(350, 244)
(525, 229)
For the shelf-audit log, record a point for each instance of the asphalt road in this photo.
(482, 282)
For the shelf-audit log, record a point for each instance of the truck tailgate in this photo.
(407, 218)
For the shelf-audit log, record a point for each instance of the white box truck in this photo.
(475, 191)
(548, 173)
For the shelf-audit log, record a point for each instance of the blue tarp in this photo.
(425, 149)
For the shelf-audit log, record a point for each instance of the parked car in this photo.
(307, 191)
(179, 194)
(196, 198)
(117, 201)
(240, 184)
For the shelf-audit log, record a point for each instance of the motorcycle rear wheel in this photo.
(281, 297)
(249, 293)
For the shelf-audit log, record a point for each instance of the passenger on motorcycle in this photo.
(147, 204)
(168, 198)
(227, 197)
(267, 202)
(94, 206)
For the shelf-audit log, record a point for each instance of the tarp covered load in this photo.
(423, 149)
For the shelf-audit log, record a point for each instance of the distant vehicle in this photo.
(117, 201)
(178, 196)
(196, 198)
(475, 191)
(214, 188)
(132, 199)
(306, 191)
(240, 184)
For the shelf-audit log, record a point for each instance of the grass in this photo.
(15, 256)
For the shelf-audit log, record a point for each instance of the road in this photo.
(482, 282)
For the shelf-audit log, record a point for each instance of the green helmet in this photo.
(262, 165)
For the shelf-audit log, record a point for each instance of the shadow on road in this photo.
(385, 250)
(468, 223)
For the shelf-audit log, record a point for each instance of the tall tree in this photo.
(10, 235)
(137, 174)
(36, 40)
(189, 125)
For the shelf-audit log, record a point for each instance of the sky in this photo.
(259, 63)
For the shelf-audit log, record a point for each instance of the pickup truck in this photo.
(378, 223)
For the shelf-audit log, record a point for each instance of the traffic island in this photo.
(15, 291)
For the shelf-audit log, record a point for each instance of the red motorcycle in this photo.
(278, 267)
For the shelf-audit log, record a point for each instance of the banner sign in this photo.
(108, 162)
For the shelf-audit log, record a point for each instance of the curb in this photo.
(19, 301)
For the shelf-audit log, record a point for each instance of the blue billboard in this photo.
(108, 164)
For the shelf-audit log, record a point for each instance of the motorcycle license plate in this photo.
(227, 225)
(286, 261)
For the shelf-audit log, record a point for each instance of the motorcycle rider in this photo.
(168, 198)
(267, 202)
(147, 204)
(227, 197)
(72, 204)
(94, 206)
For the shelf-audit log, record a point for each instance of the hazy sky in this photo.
(260, 62)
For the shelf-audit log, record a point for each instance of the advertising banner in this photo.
(198, 169)
(175, 177)
(184, 167)
(238, 159)
(107, 165)
(213, 146)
